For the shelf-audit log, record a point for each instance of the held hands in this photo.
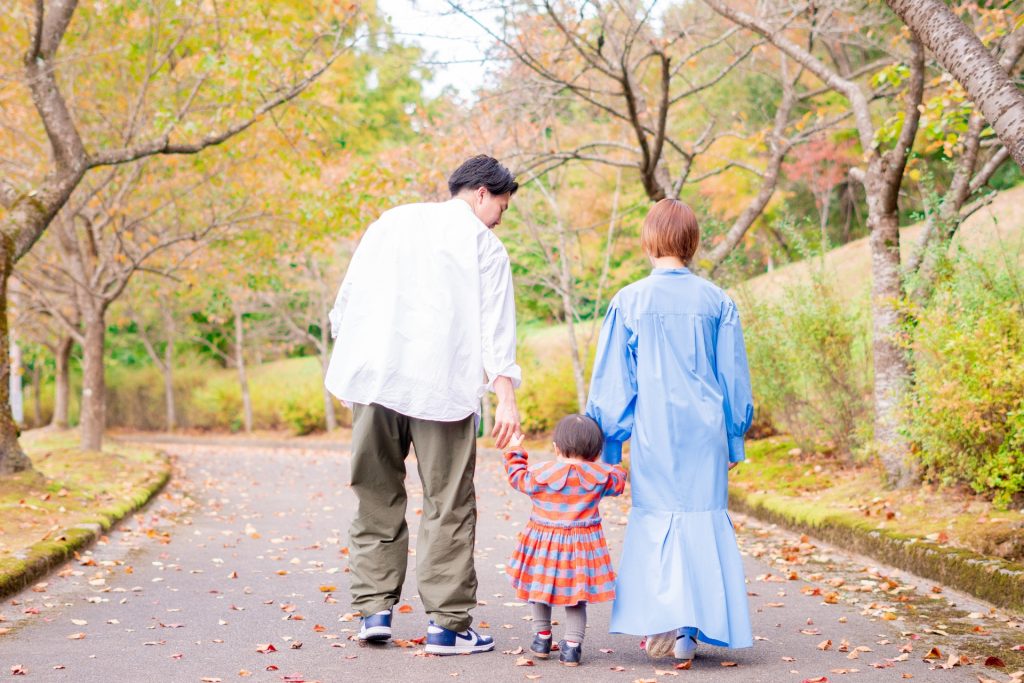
(516, 442)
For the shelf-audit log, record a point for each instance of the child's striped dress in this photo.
(561, 557)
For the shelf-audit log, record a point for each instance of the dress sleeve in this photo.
(497, 313)
(613, 384)
(734, 378)
(616, 483)
(518, 471)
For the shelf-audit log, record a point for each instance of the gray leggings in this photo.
(575, 620)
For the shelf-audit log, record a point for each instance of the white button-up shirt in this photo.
(425, 317)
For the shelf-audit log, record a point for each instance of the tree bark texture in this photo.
(960, 51)
(243, 379)
(94, 405)
(12, 458)
(62, 383)
(330, 417)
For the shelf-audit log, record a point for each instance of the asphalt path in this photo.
(237, 571)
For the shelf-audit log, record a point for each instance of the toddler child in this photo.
(561, 557)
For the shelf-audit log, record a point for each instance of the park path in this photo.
(247, 548)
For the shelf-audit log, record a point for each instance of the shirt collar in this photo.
(670, 271)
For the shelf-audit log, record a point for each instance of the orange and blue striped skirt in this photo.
(562, 563)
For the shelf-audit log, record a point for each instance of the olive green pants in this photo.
(379, 536)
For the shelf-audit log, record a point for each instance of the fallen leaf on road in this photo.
(819, 679)
(18, 670)
(728, 664)
(264, 649)
(607, 650)
(934, 653)
(296, 645)
(405, 609)
(76, 636)
(523, 661)
(825, 645)
(621, 668)
(994, 661)
(328, 589)
(244, 673)
(518, 651)
(660, 672)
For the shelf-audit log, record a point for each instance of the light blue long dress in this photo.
(671, 373)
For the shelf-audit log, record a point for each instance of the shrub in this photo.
(965, 410)
(810, 365)
(548, 392)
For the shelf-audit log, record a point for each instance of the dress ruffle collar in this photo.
(555, 474)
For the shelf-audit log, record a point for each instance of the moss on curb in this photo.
(28, 566)
(991, 579)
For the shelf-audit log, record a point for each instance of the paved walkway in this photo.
(238, 572)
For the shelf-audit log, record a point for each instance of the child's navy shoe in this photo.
(568, 654)
(442, 641)
(541, 646)
(376, 628)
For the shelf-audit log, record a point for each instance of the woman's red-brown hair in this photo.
(670, 229)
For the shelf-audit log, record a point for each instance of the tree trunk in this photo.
(94, 399)
(12, 458)
(325, 359)
(487, 413)
(168, 368)
(37, 394)
(892, 371)
(958, 49)
(168, 373)
(243, 380)
(17, 387)
(62, 383)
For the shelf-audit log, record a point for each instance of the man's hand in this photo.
(732, 465)
(506, 416)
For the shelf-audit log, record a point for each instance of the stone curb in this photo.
(991, 579)
(31, 564)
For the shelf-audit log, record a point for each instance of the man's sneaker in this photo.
(376, 627)
(686, 644)
(441, 641)
(541, 646)
(570, 654)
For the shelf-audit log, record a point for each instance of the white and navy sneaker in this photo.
(441, 641)
(686, 644)
(376, 628)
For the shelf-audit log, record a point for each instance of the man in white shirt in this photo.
(425, 324)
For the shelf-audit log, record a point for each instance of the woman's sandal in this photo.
(661, 645)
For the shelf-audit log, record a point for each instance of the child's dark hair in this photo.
(578, 436)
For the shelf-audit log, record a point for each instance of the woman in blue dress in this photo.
(671, 374)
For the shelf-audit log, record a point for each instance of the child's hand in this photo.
(516, 442)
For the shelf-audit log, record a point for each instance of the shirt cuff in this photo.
(612, 452)
(513, 372)
(737, 453)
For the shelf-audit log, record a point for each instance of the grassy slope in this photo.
(1000, 223)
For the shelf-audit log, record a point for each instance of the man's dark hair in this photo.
(579, 436)
(482, 171)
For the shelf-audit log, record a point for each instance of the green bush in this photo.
(548, 392)
(810, 366)
(965, 410)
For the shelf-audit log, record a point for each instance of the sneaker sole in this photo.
(540, 655)
(445, 650)
(375, 634)
(571, 663)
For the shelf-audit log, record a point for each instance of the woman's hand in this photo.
(732, 465)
